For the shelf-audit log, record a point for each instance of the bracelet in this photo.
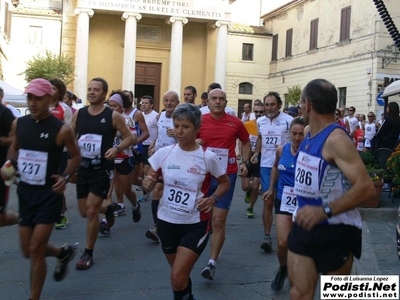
(217, 199)
(66, 177)
(118, 148)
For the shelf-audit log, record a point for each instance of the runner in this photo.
(184, 212)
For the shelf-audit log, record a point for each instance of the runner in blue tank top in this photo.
(286, 201)
(330, 182)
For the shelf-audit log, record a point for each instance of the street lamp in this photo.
(391, 49)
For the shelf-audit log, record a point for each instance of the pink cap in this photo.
(39, 87)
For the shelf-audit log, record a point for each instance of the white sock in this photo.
(104, 220)
(121, 205)
(212, 262)
(135, 207)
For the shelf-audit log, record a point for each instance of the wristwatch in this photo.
(217, 199)
(247, 163)
(327, 209)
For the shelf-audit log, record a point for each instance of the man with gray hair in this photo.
(165, 137)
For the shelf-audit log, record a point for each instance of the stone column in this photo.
(129, 63)
(221, 53)
(175, 61)
(82, 52)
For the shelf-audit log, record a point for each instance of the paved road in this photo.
(129, 266)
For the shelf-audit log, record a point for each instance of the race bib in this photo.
(90, 145)
(289, 200)
(222, 155)
(32, 166)
(360, 146)
(367, 143)
(253, 142)
(179, 196)
(306, 183)
(271, 139)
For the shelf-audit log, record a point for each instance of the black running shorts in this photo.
(191, 236)
(38, 206)
(328, 245)
(93, 181)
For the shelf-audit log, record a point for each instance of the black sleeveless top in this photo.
(100, 124)
(40, 136)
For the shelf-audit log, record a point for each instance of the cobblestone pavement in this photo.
(129, 266)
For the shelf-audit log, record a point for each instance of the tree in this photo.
(49, 66)
(293, 95)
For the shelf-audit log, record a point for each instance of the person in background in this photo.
(273, 131)
(190, 94)
(6, 119)
(293, 111)
(251, 183)
(388, 133)
(285, 202)
(124, 166)
(337, 118)
(351, 121)
(204, 97)
(64, 113)
(14, 111)
(247, 115)
(370, 129)
(165, 137)
(218, 132)
(69, 99)
(150, 116)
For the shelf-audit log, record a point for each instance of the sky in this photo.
(249, 11)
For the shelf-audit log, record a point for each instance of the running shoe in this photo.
(277, 283)
(61, 270)
(146, 196)
(111, 208)
(136, 214)
(267, 244)
(141, 199)
(247, 196)
(104, 229)
(120, 211)
(250, 213)
(63, 223)
(152, 234)
(85, 262)
(208, 272)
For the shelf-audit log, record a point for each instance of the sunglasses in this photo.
(258, 111)
(337, 114)
(370, 116)
(351, 109)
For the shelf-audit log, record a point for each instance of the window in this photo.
(35, 35)
(289, 40)
(7, 22)
(247, 51)
(345, 24)
(246, 88)
(314, 35)
(342, 96)
(274, 48)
